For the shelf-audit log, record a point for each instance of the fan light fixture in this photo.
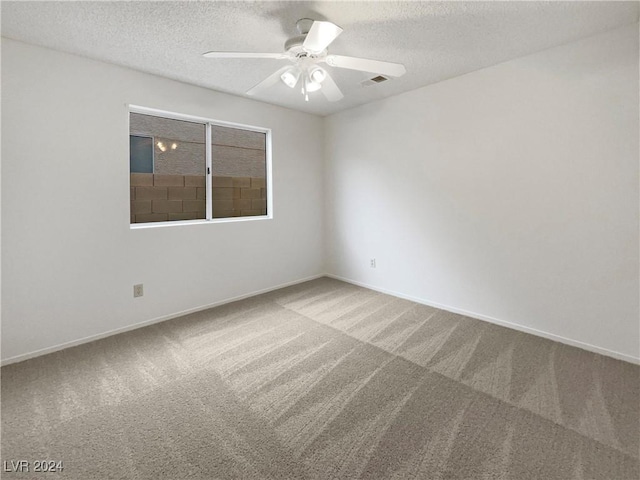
(312, 79)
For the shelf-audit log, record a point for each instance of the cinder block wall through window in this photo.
(161, 198)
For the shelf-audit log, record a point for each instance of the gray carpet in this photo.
(324, 380)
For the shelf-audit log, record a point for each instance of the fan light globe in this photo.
(317, 75)
(313, 86)
(290, 78)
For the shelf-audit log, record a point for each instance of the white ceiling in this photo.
(434, 40)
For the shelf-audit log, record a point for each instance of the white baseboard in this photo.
(503, 323)
(514, 326)
(135, 326)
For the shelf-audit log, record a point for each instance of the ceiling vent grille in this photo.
(374, 81)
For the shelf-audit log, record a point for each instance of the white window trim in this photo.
(209, 122)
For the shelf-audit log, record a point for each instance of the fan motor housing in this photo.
(294, 42)
(304, 25)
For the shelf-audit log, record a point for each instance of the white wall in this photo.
(510, 193)
(69, 258)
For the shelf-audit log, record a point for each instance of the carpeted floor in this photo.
(324, 380)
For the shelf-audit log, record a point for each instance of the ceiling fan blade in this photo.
(320, 36)
(365, 65)
(267, 82)
(243, 55)
(330, 89)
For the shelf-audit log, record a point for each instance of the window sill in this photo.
(141, 226)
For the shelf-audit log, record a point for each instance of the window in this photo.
(187, 168)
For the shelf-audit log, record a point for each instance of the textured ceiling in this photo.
(434, 40)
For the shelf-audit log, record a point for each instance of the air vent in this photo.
(374, 80)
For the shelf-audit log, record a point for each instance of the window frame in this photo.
(208, 123)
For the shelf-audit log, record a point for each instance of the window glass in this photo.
(174, 188)
(239, 172)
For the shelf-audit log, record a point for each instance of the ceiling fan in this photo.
(306, 51)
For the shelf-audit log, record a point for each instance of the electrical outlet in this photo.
(138, 290)
(372, 263)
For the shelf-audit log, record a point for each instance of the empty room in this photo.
(320, 240)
